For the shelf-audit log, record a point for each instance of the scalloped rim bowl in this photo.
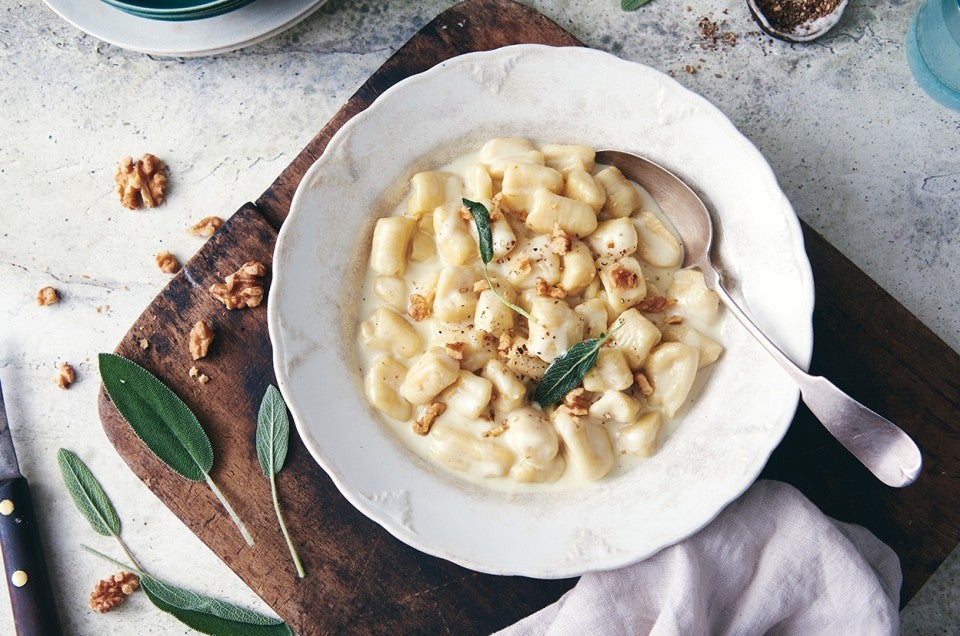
(558, 95)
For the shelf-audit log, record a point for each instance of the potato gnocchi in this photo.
(580, 249)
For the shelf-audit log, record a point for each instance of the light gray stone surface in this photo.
(866, 158)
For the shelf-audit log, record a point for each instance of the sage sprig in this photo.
(165, 424)
(205, 614)
(209, 615)
(481, 216)
(90, 498)
(273, 437)
(632, 5)
(567, 370)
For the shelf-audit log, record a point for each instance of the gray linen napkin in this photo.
(770, 563)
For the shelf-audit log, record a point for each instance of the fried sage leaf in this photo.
(481, 217)
(567, 370)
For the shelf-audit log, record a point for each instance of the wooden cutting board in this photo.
(360, 578)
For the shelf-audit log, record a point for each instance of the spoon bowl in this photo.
(880, 445)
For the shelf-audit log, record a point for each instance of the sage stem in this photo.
(229, 509)
(283, 527)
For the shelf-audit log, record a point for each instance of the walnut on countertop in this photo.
(243, 288)
(141, 183)
(167, 262)
(200, 338)
(47, 296)
(112, 591)
(206, 226)
(65, 376)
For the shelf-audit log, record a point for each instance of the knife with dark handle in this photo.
(28, 581)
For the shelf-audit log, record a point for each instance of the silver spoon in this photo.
(884, 449)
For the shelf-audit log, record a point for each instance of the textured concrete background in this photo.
(866, 158)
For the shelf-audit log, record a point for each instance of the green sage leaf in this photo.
(566, 372)
(209, 615)
(481, 217)
(165, 424)
(273, 432)
(88, 494)
(632, 5)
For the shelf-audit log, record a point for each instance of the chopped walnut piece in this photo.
(144, 344)
(167, 262)
(112, 591)
(496, 431)
(577, 402)
(524, 264)
(428, 417)
(465, 213)
(546, 289)
(643, 383)
(200, 338)
(481, 285)
(674, 319)
(47, 296)
(243, 288)
(141, 183)
(655, 304)
(203, 378)
(420, 306)
(194, 371)
(623, 278)
(206, 226)
(65, 376)
(560, 242)
(454, 350)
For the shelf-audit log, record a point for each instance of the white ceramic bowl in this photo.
(561, 95)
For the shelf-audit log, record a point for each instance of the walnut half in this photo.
(243, 288)
(141, 183)
(200, 338)
(47, 296)
(112, 591)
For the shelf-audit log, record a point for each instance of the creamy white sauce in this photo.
(420, 278)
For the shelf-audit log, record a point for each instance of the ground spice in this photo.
(711, 36)
(786, 15)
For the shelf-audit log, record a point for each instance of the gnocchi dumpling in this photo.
(694, 300)
(386, 330)
(671, 368)
(467, 453)
(382, 384)
(431, 373)
(497, 154)
(532, 437)
(641, 437)
(557, 328)
(391, 239)
(588, 446)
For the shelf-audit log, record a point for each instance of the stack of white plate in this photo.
(183, 28)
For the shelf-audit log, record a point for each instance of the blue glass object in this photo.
(933, 50)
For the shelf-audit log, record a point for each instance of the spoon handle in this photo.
(878, 443)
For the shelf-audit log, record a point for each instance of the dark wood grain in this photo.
(31, 599)
(361, 579)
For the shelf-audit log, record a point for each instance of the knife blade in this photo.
(28, 580)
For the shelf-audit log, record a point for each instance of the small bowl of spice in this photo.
(797, 20)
